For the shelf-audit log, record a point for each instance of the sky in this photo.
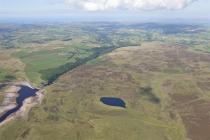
(107, 9)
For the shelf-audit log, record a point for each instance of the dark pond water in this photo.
(2, 85)
(24, 93)
(112, 101)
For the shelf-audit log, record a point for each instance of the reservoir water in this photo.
(24, 93)
(112, 101)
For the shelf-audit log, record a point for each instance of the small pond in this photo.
(112, 101)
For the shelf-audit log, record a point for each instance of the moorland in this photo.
(161, 71)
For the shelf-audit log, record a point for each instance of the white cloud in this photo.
(101, 5)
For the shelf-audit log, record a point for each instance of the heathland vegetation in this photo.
(161, 72)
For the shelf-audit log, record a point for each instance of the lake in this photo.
(112, 101)
(24, 93)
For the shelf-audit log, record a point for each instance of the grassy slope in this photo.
(71, 108)
(11, 69)
(3, 74)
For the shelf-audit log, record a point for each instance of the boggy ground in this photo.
(185, 77)
(165, 89)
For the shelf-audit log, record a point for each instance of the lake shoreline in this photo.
(10, 102)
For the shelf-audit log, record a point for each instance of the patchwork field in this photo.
(163, 81)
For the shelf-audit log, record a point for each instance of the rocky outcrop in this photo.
(9, 101)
